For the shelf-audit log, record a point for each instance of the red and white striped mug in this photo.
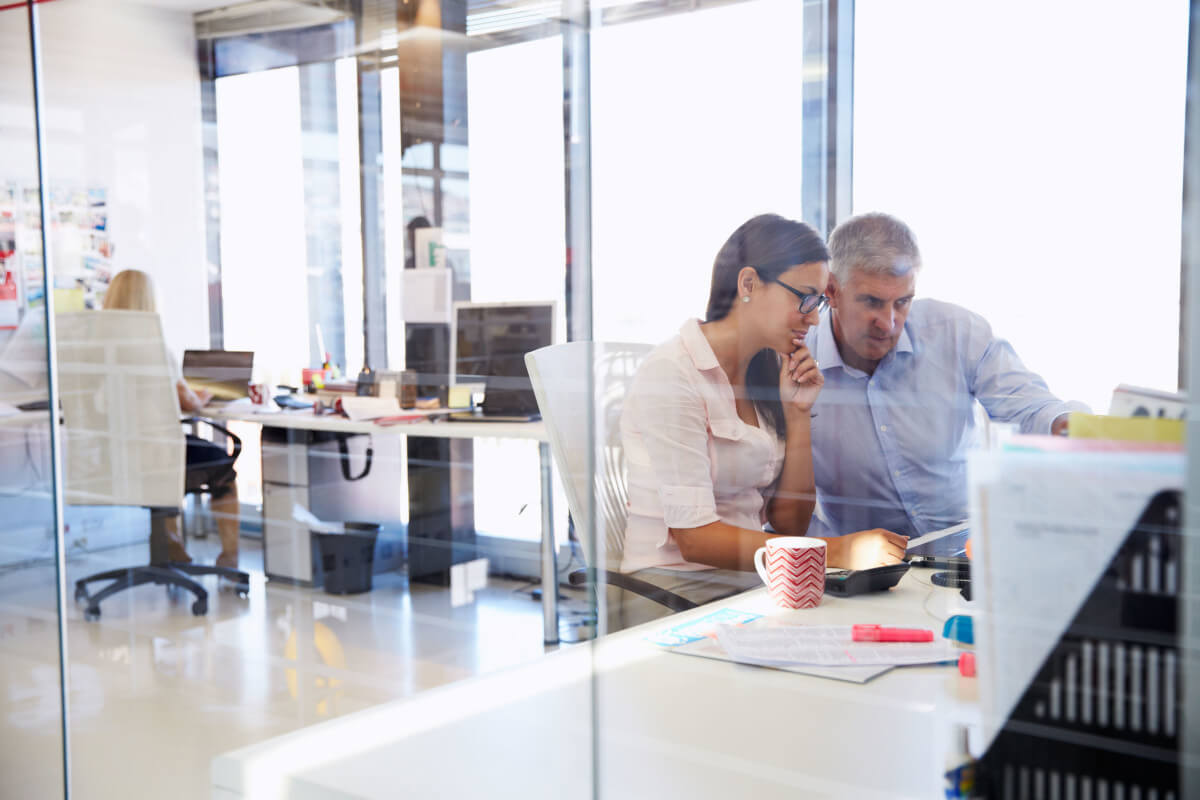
(793, 568)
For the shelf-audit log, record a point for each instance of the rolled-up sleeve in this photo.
(670, 419)
(1007, 388)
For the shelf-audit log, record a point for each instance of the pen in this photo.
(879, 633)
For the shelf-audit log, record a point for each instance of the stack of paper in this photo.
(824, 651)
(824, 646)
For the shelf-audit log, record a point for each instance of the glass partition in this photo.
(451, 401)
(263, 222)
(32, 652)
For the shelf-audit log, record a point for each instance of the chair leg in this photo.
(239, 578)
(123, 579)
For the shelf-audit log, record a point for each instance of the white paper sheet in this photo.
(364, 408)
(308, 520)
(709, 648)
(825, 646)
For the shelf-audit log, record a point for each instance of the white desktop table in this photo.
(302, 419)
(631, 720)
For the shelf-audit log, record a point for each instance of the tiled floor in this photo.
(156, 692)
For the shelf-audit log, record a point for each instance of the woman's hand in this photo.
(190, 401)
(800, 380)
(865, 549)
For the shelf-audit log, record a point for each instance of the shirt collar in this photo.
(827, 354)
(697, 346)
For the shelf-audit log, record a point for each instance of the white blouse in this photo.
(691, 459)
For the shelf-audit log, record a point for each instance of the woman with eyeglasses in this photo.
(716, 425)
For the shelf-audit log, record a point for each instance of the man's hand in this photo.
(1059, 426)
(800, 380)
(203, 396)
(865, 549)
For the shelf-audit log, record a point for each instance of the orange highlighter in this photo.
(880, 633)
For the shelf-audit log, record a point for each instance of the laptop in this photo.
(506, 399)
(225, 373)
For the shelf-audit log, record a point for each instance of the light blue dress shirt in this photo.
(890, 449)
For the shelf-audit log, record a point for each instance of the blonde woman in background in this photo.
(132, 290)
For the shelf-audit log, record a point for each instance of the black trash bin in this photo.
(347, 559)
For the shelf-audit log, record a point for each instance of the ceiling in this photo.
(187, 5)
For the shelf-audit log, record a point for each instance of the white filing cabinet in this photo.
(287, 549)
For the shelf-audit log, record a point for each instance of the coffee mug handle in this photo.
(760, 563)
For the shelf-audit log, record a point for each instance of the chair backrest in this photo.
(123, 444)
(580, 389)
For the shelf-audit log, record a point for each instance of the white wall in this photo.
(122, 99)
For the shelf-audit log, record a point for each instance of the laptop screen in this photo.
(225, 373)
(490, 343)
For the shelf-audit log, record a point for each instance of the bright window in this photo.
(1037, 151)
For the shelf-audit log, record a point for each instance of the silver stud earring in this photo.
(745, 298)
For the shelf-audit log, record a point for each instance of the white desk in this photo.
(665, 726)
(300, 419)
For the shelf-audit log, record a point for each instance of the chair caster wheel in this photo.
(91, 613)
(200, 608)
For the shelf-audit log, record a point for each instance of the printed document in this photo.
(825, 646)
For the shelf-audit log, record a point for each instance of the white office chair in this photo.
(575, 408)
(123, 442)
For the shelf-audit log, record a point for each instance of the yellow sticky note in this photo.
(1128, 429)
(68, 300)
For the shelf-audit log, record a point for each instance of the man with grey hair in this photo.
(893, 424)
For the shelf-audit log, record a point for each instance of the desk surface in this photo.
(305, 420)
(658, 725)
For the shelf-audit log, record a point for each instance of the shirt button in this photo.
(896, 472)
(883, 428)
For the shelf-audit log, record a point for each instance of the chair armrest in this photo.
(631, 584)
(237, 440)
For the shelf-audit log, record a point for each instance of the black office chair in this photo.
(195, 481)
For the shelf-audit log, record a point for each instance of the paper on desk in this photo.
(309, 520)
(824, 646)
(710, 648)
(697, 637)
(364, 408)
(700, 628)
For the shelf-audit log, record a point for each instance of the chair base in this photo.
(168, 574)
(675, 602)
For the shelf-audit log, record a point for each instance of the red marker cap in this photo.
(966, 665)
(879, 633)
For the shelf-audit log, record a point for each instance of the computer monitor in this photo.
(225, 373)
(488, 344)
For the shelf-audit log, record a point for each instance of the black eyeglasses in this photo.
(808, 302)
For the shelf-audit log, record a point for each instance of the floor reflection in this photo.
(156, 693)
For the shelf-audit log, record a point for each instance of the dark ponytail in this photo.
(772, 245)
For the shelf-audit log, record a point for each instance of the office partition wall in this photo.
(33, 651)
(321, 181)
